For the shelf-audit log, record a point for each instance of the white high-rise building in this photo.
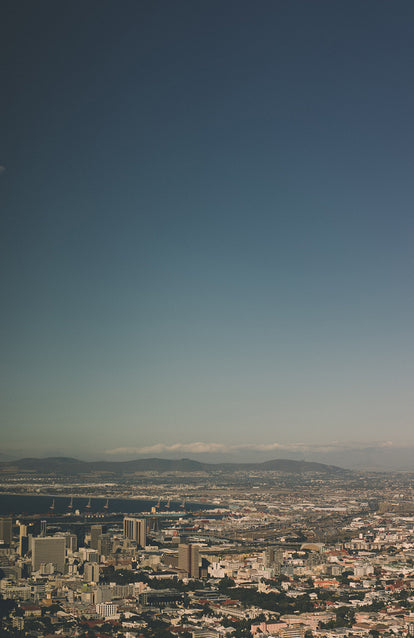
(106, 609)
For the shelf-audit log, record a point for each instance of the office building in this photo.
(96, 533)
(273, 558)
(106, 610)
(71, 542)
(23, 540)
(91, 573)
(135, 529)
(6, 530)
(104, 545)
(89, 555)
(50, 549)
(189, 559)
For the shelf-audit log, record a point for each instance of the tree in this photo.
(225, 584)
(6, 606)
(53, 608)
(207, 610)
(345, 617)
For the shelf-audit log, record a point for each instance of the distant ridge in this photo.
(70, 466)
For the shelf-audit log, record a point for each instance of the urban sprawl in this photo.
(257, 554)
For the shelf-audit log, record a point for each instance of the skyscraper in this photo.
(104, 544)
(23, 539)
(188, 559)
(96, 533)
(91, 573)
(49, 549)
(6, 530)
(71, 542)
(135, 529)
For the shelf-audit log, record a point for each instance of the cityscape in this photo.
(289, 553)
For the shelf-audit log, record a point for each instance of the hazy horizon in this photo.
(352, 456)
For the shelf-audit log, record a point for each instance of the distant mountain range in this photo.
(70, 466)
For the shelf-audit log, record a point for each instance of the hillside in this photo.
(70, 466)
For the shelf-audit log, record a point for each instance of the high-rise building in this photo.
(23, 539)
(6, 530)
(135, 529)
(71, 542)
(91, 573)
(96, 532)
(273, 558)
(43, 528)
(105, 545)
(189, 559)
(106, 610)
(89, 555)
(50, 549)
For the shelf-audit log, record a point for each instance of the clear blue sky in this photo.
(207, 224)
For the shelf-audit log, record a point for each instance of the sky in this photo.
(207, 228)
